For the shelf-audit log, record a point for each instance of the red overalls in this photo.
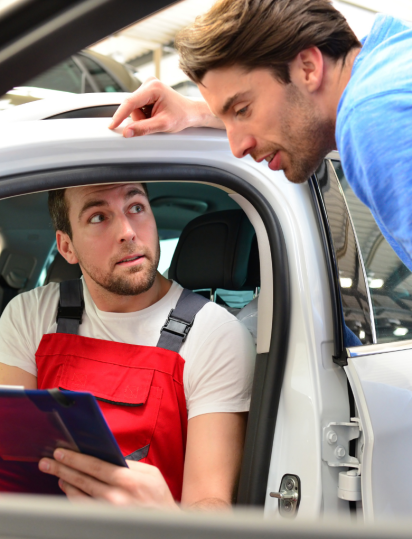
(139, 388)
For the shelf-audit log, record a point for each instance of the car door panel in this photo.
(382, 386)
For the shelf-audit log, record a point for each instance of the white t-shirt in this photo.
(218, 352)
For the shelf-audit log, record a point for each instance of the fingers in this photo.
(68, 462)
(147, 94)
(72, 492)
(138, 115)
(114, 496)
(103, 471)
(77, 485)
(80, 481)
(147, 126)
(80, 475)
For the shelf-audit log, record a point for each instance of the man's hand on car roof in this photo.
(157, 108)
(84, 476)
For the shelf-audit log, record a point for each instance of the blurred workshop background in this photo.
(148, 45)
(125, 59)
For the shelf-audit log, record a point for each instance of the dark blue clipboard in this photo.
(33, 423)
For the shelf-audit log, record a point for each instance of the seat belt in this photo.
(172, 335)
(71, 307)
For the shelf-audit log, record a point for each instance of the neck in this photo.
(114, 303)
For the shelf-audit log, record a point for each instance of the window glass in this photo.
(353, 288)
(66, 77)
(105, 82)
(167, 249)
(390, 281)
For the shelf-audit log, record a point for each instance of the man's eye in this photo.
(136, 208)
(242, 112)
(97, 218)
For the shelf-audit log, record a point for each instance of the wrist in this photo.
(201, 115)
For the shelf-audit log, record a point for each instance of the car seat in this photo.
(60, 270)
(219, 251)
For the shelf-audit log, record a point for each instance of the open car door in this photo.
(381, 380)
(380, 371)
(372, 293)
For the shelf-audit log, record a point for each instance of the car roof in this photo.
(53, 106)
(42, 145)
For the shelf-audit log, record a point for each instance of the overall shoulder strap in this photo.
(180, 320)
(71, 307)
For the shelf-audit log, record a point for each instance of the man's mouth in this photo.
(130, 260)
(269, 158)
(274, 161)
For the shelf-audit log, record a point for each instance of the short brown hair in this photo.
(59, 210)
(262, 34)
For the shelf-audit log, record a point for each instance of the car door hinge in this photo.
(335, 451)
(335, 443)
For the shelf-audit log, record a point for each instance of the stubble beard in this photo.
(308, 137)
(125, 285)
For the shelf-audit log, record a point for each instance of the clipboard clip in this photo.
(61, 398)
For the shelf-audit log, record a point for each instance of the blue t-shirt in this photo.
(374, 130)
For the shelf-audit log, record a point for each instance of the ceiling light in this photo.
(361, 334)
(400, 332)
(376, 283)
(345, 282)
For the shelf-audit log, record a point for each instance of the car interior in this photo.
(210, 224)
(207, 245)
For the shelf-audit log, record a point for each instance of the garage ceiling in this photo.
(160, 29)
(154, 32)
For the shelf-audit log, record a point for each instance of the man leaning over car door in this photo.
(290, 81)
(113, 350)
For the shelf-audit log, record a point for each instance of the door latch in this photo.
(288, 496)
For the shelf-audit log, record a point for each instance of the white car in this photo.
(328, 300)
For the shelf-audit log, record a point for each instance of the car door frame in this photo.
(270, 366)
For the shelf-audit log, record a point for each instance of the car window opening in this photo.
(30, 258)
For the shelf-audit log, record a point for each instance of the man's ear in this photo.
(65, 247)
(307, 70)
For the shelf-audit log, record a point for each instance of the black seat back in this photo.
(214, 252)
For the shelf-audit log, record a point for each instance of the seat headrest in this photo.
(213, 251)
(60, 270)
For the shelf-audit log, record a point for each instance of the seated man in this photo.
(150, 390)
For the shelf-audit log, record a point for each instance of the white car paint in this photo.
(314, 389)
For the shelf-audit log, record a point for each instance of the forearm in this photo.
(209, 504)
(202, 117)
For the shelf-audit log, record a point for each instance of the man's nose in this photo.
(240, 144)
(125, 230)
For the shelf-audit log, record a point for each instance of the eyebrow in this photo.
(230, 100)
(98, 203)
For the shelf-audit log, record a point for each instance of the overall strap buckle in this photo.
(176, 326)
(180, 321)
(72, 313)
